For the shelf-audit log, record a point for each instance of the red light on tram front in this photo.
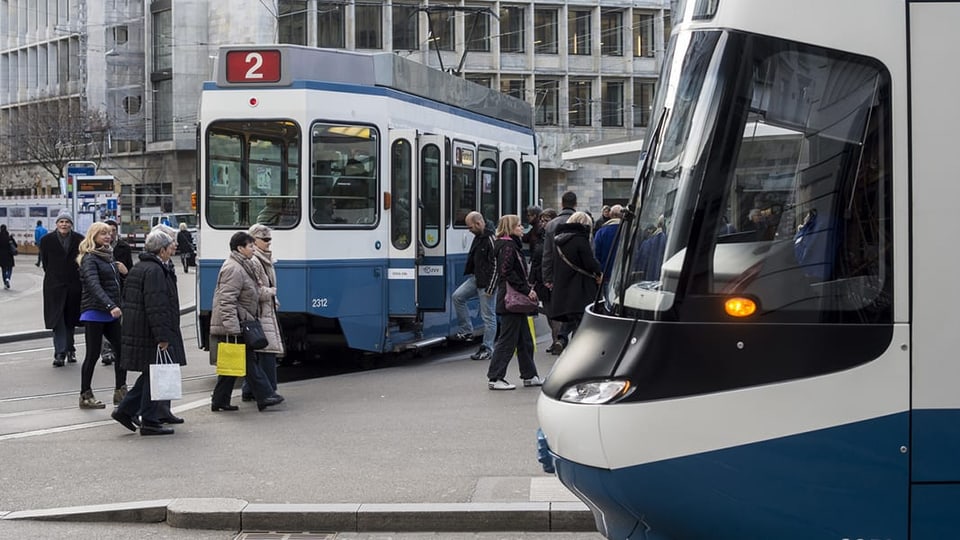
(254, 102)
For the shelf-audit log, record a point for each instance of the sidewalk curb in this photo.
(237, 514)
(41, 334)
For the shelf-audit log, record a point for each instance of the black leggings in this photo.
(95, 332)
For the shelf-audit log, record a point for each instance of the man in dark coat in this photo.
(577, 271)
(61, 286)
(479, 272)
(151, 323)
(548, 266)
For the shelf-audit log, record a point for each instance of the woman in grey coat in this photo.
(236, 299)
(267, 356)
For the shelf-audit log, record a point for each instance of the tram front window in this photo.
(252, 174)
(768, 177)
(343, 172)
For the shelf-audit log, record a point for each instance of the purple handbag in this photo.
(517, 302)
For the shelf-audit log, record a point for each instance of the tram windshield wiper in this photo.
(632, 211)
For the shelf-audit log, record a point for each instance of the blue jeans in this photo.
(7, 273)
(268, 364)
(488, 306)
(259, 385)
(138, 402)
(62, 338)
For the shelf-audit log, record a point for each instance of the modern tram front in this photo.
(742, 375)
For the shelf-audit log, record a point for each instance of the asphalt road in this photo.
(424, 430)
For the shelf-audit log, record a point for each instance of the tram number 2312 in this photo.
(318, 302)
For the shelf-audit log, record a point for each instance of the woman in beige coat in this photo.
(267, 356)
(237, 298)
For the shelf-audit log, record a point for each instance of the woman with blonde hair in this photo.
(99, 310)
(514, 334)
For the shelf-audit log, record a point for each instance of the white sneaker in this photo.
(533, 381)
(500, 385)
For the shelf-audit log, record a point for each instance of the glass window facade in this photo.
(369, 26)
(545, 30)
(406, 27)
(580, 111)
(511, 29)
(643, 41)
(330, 26)
(611, 33)
(579, 28)
(611, 107)
(476, 28)
(548, 102)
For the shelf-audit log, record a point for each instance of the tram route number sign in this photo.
(260, 66)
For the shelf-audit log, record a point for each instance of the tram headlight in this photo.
(595, 392)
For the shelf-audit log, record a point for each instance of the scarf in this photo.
(247, 265)
(265, 256)
(104, 252)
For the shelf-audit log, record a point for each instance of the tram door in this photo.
(510, 182)
(402, 269)
(432, 254)
(529, 195)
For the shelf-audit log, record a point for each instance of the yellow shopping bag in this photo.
(231, 359)
(533, 333)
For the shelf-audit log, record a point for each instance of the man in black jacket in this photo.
(479, 272)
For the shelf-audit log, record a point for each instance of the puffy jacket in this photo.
(151, 314)
(101, 283)
(237, 296)
(511, 269)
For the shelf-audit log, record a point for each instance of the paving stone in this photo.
(219, 514)
(474, 517)
(300, 517)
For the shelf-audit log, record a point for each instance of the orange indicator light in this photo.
(740, 307)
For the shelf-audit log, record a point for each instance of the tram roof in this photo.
(298, 63)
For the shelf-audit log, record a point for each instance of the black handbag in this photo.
(253, 335)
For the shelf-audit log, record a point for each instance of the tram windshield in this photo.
(252, 174)
(766, 178)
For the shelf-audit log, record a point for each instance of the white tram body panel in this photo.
(803, 165)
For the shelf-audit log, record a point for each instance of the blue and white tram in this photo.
(776, 354)
(365, 166)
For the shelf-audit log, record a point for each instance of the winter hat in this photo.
(65, 215)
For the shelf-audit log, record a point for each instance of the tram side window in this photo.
(463, 184)
(509, 204)
(252, 174)
(343, 173)
(401, 167)
(528, 185)
(489, 185)
(430, 169)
